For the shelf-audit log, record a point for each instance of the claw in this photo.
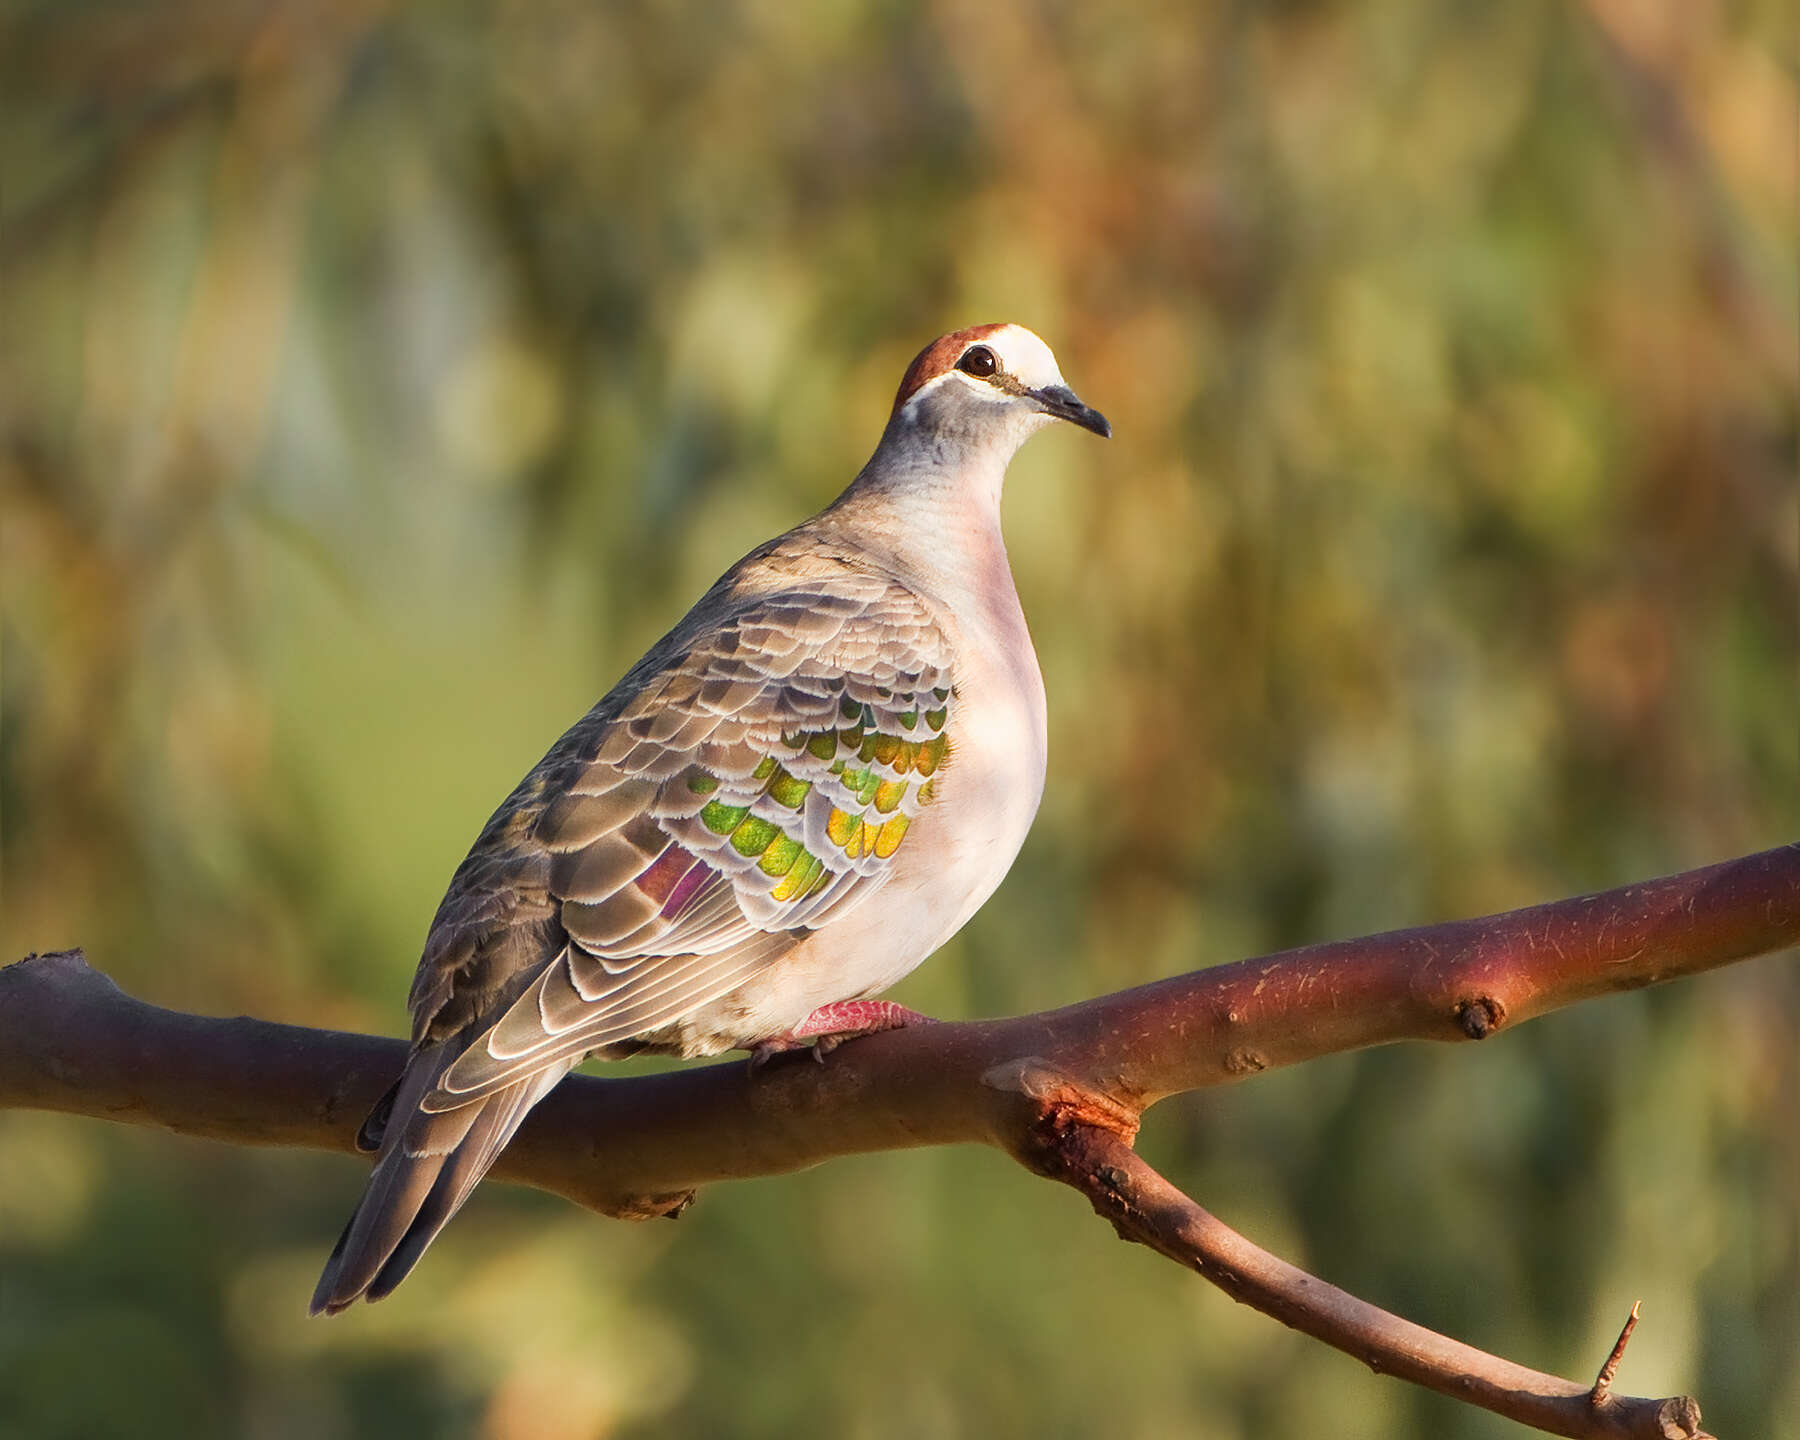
(830, 1026)
(765, 1054)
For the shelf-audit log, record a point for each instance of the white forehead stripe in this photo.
(1024, 356)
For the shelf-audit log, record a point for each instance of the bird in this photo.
(801, 791)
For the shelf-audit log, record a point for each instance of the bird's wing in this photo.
(750, 789)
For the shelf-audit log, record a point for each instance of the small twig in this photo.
(1603, 1381)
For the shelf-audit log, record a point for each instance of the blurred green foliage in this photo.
(380, 380)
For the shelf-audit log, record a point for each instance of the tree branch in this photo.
(1146, 1208)
(1061, 1091)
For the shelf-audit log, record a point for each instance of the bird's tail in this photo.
(428, 1164)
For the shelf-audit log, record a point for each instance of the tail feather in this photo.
(429, 1164)
(461, 1171)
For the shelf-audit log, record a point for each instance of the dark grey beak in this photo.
(1060, 401)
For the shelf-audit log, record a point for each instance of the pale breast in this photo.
(995, 776)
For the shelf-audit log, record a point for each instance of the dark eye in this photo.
(978, 361)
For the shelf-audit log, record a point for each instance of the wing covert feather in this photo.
(747, 782)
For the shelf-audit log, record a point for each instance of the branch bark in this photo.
(1061, 1091)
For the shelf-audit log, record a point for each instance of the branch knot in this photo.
(1481, 1016)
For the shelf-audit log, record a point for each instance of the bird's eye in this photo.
(978, 361)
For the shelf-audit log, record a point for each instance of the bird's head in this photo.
(990, 384)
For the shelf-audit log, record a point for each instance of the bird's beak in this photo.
(1061, 401)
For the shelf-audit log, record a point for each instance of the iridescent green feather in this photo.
(754, 835)
(785, 789)
(722, 819)
(780, 857)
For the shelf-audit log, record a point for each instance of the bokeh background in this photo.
(380, 379)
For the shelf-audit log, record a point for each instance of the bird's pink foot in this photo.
(831, 1025)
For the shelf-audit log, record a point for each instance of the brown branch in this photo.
(70, 1040)
(1146, 1208)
